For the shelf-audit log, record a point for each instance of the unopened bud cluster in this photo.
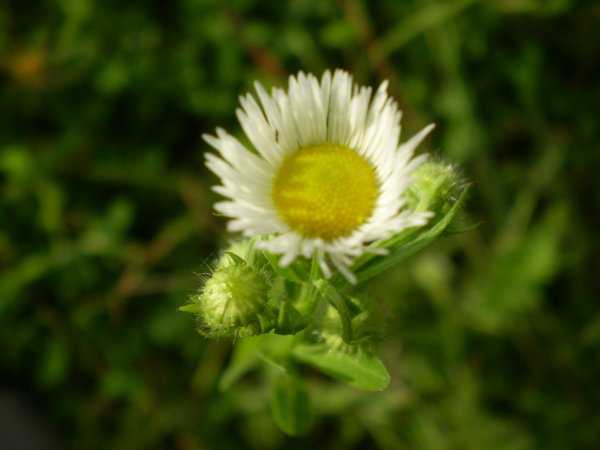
(239, 299)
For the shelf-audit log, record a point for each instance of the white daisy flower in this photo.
(327, 174)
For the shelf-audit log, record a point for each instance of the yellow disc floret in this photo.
(325, 191)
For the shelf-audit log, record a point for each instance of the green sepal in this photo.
(289, 319)
(191, 308)
(290, 272)
(236, 259)
(263, 323)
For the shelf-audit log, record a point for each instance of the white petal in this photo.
(313, 112)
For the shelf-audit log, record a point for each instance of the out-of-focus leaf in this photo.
(245, 358)
(290, 405)
(361, 369)
(510, 285)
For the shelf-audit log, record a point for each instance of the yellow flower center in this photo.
(325, 191)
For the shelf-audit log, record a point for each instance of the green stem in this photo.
(340, 304)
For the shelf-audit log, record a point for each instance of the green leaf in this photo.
(341, 306)
(290, 405)
(245, 358)
(361, 369)
(378, 265)
(275, 351)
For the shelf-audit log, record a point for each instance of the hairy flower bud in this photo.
(435, 188)
(234, 301)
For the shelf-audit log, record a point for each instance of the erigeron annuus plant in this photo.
(326, 198)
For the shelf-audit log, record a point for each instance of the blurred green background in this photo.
(106, 223)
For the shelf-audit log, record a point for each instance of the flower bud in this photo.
(234, 301)
(436, 187)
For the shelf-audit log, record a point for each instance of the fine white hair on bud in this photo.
(234, 296)
(234, 300)
(435, 187)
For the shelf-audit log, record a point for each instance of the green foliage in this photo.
(290, 405)
(354, 366)
(106, 225)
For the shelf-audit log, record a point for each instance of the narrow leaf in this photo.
(397, 254)
(341, 306)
